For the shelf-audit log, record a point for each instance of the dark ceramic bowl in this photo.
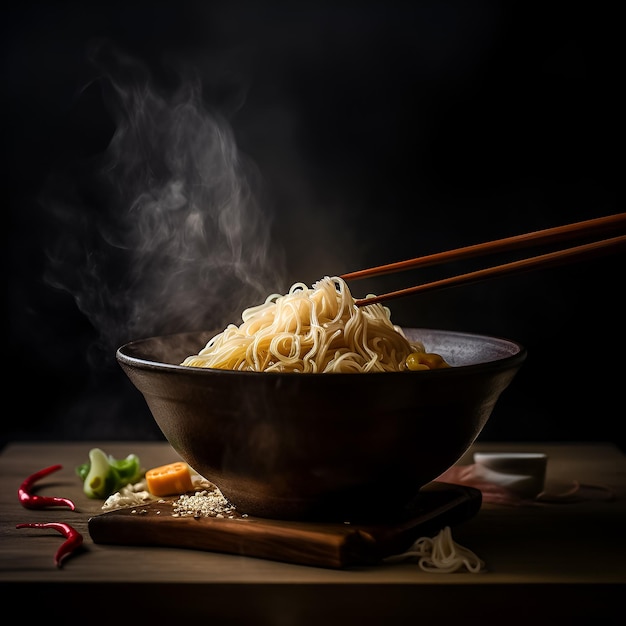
(350, 447)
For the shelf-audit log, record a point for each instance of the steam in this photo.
(163, 231)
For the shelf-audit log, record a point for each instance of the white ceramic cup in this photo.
(521, 472)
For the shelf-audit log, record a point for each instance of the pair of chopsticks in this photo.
(550, 235)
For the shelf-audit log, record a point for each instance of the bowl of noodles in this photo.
(314, 408)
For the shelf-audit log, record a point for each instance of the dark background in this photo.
(370, 132)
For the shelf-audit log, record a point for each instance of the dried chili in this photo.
(73, 538)
(32, 501)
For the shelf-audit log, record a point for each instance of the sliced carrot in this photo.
(170, 479)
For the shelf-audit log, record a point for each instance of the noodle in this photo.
(442, 554)
(314, 330)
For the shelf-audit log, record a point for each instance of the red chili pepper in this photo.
(73, 538)
(32, 501)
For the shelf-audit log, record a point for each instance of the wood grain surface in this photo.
(551, 563)
(333, 545)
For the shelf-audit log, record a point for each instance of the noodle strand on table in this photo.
(441, 554)
(317, 329)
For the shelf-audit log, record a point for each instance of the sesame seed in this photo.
(202, 503)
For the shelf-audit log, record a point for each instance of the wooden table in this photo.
(561, 563)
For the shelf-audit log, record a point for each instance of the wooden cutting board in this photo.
(332, 545)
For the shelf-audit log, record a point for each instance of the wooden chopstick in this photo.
(545, 260)
(549, 235)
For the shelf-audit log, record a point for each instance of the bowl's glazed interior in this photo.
(345, 446)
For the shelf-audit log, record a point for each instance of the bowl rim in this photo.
(509, 361)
